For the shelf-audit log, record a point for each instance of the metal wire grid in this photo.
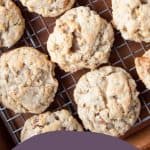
(64, 97)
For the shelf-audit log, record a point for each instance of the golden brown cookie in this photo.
(81, 39)
(12, 24)
(27, 82)
(132, 18)
(48, 8)
(143, 68)
(107, 101)
(48, 122)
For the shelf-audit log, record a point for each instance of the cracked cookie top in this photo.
(48, 122)
(27, 82)
(143, 68)
(81, 39)
(132, 18)
(48, 8)
(12, 23)
(107, 101)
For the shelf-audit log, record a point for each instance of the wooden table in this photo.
(143, 144)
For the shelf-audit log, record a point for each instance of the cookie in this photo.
(48, 8)
(81, 39)
(12, 24)
(143, 68)
(132, 18)
(48, 122)
(27, 82)
(107, 101)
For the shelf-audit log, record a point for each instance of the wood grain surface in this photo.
(141, 139)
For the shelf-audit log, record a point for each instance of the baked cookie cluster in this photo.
(106, 97)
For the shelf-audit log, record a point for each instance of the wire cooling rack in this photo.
(123, 54)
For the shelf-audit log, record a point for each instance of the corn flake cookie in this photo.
(48, 8)
(48, 122)
(143, 68)
(12, 24)
(27, 82)
(132, 18)
(107, 101)
(81, 39)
